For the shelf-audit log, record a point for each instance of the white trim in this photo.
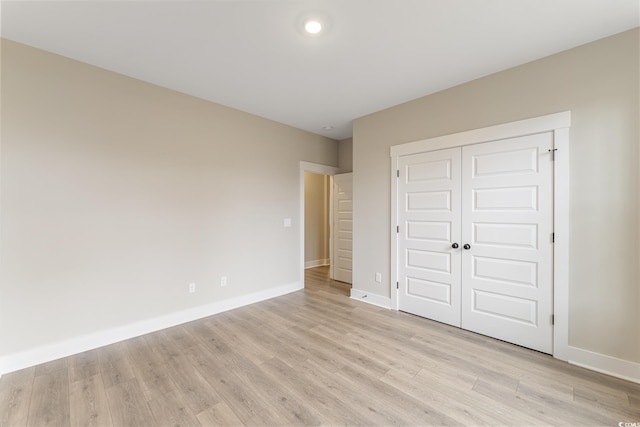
(393, 278)
(602, 363)
(316, 263)
(318, 168)
(332, 256)
(559, 124)
(491, 133)
(370, 298)
(46, 353)
(561, 246)
(313, 168)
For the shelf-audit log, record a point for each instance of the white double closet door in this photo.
(475, 238)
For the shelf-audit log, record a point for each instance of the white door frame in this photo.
(557, 123)
(321, 170)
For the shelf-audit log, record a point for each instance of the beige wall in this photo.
(345, 155)
(598, 82)
(316, 219)
(116, 194)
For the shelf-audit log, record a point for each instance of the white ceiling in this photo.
(253, 55)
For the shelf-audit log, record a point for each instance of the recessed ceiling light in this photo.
(312, 26)
(327, 127)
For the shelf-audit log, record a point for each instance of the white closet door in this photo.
(429, 223)
(342, 227)
(507, 207)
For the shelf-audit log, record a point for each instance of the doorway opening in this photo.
(326, 228)
(317, 220)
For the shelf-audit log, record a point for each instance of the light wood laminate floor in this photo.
(313, 357)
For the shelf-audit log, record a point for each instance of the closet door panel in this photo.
(507, 208)
(429, 224)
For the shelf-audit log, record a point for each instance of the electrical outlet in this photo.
(223, 281)
(379, 277)
(192, 288)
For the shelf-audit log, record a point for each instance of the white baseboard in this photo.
(370, 298)
(609, 365)
(47, 353)
(602, 363)
(316, 263)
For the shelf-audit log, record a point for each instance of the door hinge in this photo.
(397, 285)
(398, 173)
(553, 153)
(553, 237)
(553, 319)
(397, 228)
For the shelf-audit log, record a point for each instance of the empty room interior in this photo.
(323, 212)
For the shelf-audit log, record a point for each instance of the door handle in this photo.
(455, 246)
(467, 246)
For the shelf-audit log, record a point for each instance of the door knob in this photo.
(467, 246)
(454, 246)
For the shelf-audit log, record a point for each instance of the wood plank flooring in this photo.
(313, 357)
